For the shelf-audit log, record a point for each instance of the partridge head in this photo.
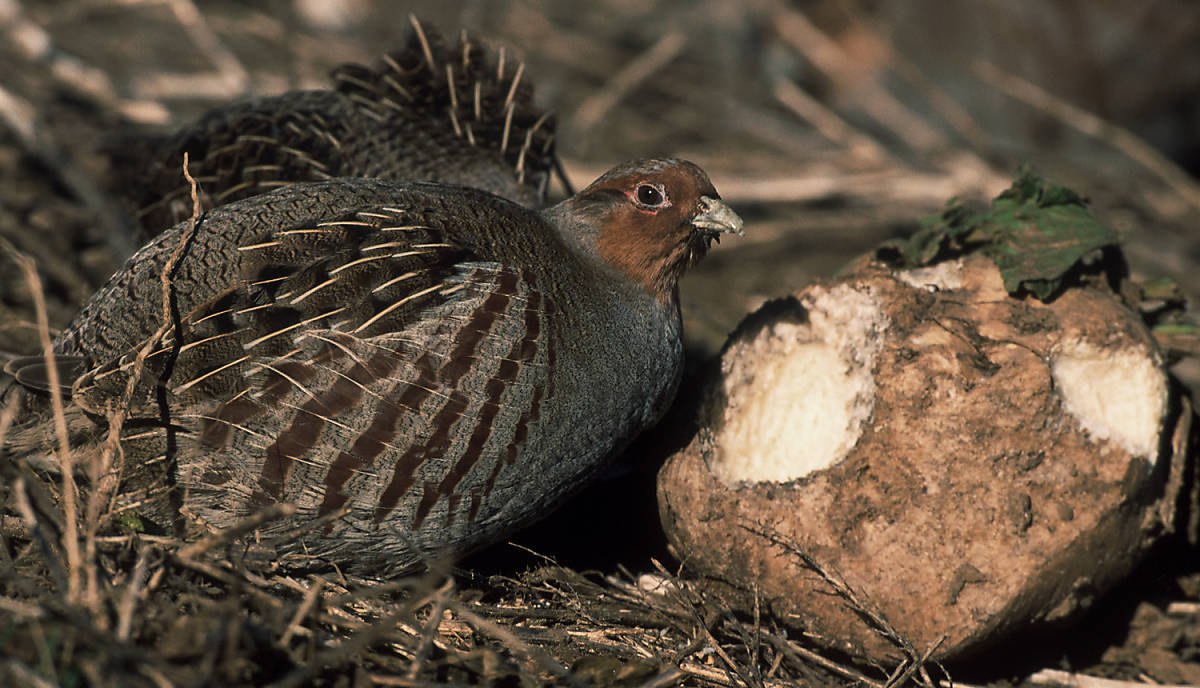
(417, 367)
(650, 219)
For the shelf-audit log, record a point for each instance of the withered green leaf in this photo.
(1035, 231)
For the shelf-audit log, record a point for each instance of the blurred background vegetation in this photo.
(830, 125)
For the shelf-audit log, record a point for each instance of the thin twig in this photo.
(755, 648)
(599, 104)
(860, 603)
(19, 114)
(133, 591)
(670, 677)
(1065, 679)
(155, 675)
(882, 186)
(351, 646)
(430, 629)
(940, 100)
(716, 646)
(21, 499)
(1183, 608)
(8, 414)
(36, 45)
(62, 451)
(105, 479)
(694, 604)
(23, 675)
(229, 578)
(230, 77)
(830, 124)
(1118, 137)
(246, 525)
(506, 637)
(915, 665)
(802, 654)
(851, 76)
(22, 609)
(306, 605)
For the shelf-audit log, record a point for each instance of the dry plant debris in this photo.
(795, 124)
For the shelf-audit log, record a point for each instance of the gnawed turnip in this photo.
(966, 462)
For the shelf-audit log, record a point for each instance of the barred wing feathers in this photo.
(372, 362)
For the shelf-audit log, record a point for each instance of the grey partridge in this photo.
(458, 116)
(428, 366)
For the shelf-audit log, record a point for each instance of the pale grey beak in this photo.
(718, 218)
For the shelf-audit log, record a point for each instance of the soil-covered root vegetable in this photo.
(899, 459)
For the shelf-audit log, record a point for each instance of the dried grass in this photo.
(82, 603)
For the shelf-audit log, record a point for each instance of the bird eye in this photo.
(649, 195)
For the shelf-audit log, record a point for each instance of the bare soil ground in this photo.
(830, 125)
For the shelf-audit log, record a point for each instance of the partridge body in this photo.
(428, 366)
(426, 112)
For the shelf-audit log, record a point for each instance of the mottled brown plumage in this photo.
(429, 366)
(459, 116)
